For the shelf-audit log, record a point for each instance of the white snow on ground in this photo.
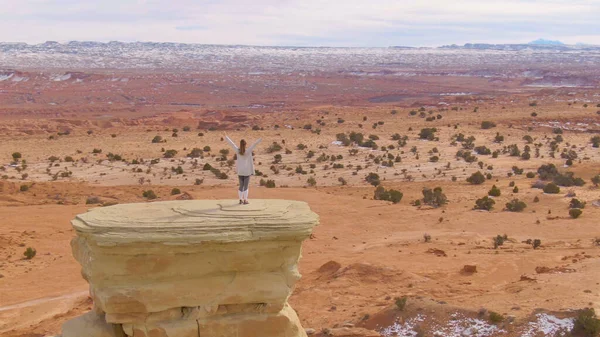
(549, 325)
(6, 77)
(403, 330)
(62, 78)
(460, 326)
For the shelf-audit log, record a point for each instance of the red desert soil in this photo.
(365, 252)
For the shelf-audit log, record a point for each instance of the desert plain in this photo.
(341, 137)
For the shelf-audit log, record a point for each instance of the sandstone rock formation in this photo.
(210, 268)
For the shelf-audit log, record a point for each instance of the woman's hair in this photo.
(242, 147)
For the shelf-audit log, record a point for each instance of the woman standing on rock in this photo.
(244, 165)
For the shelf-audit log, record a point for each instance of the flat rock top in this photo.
(193, 221)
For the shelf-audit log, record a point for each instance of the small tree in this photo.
(586, 323)
(487, 125)
(400, 302)
(149, 194)
(476, 178)
(551, 188)
(596, 180)
(486, 203)
(536, 243)
(29, 253)
(575, 213)
(494, 191)
(576, 203)
(311, 181)
(373, 179)
(427, 133)
(515, 205)
(435, 197)
(170, 153)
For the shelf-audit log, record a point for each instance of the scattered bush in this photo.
(586, 323)
(551, 188)
(175, 191)
(536, 243)
(486, 203)
(29, 253)
(576, 203)
(170, 153)
(373, 179)
(389, 195)
(267, 183)
(499, 240)
(157, 139)
(530, 175)
(24, 188)
(476, 178)
(515, 205)
(487, 125)
(496, 317)
(92, 200)
(575, 213)
(596, 180)
(595, 141)
(400, 302)
(426, 237)
(494, 191)
(311, 181)
(435, 197)
(207, 167)
(427, 133)
(149, 194)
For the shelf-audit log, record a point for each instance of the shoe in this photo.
(241, 202)
(246, 202)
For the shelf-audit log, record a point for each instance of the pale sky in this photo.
(353, 23)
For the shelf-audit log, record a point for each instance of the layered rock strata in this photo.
(210, 268)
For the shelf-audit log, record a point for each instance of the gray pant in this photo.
(244, 182)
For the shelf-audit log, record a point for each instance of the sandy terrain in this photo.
(365, 252)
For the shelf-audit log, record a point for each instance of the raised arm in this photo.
(251, 148)
(231, 143)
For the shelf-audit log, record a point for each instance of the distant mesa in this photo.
(547, 42)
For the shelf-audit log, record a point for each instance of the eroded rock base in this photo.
(284, 323)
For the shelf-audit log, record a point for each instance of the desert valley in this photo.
(457, 187)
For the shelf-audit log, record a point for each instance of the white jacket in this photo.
(245, 162)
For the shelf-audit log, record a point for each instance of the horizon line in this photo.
(531, 43)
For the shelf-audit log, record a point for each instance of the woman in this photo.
(244, 165)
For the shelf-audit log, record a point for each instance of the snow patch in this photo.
(62, 78)
(549, 325)
(403, 330)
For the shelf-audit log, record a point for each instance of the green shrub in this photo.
(476, 178)
(267, 183)
(551, 188)
(494, 191)
(576, 203)
(274, 147)
(92, 200)
(516, 190)
(575, 213)
(536, 243)
(311, 181)
(175, 191)
(389, 195)
(515, 205)
(427, 133)
(586, 323)
(547, 172)
(435, 197)
(149, 194)
(499, 240)
(170, 153)
(487, 125)
(496, 317)
(486, 203)
(24, 188)
(596, 180)
(198, 181)
(373, 179)
(530, 175)
(157, 139)
(16, 156)
(207, 167)
(29, 253)
(400, 302)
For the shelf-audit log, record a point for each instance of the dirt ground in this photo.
(365, 252)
